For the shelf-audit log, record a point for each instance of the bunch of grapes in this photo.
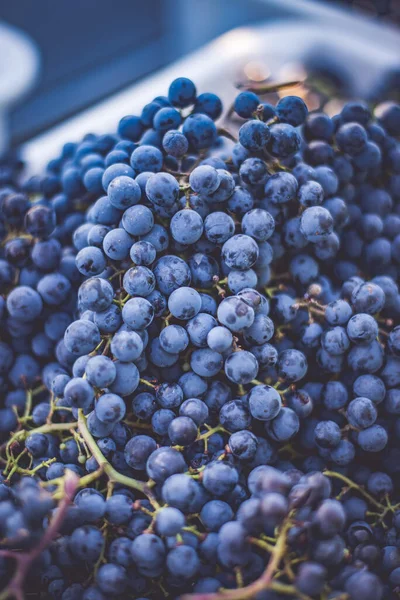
(200, 358)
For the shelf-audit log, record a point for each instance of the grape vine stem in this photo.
(354, 486)
(105, 467)
(262, 583)
(24, 560)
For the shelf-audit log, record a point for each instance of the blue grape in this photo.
(110, 409)
(138, 450)
(246, 104)
(264, 402)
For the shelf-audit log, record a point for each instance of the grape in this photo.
(184, 303)
(169, 521)
(100, 371)
(143, 253)
(195, 409)
(327, 434)
(130, 127)
(109, 320)
(284, 140)
(343, 454)
(208, 104)
(245, 104)
(139, 281)
(311, 577)
(186, 226)
(183, 562)
(54, 288)
(164, 462)
(171, 273)
(138, 450)
(206, 362)
(264, 402)
(301, 403)
(169, 395)
(79, 393)
(260, 331)
(166, 118)
(372, 439)
(159, 357)
(235, 314)
(219, 478)
(254, 135)
(110, 409)
(146, 158)
(126, 346)
(335, 341)
(234, 416)
(204, 269)
(116, 244)
(126, 379)
(204, 179)
(292, 365)
(219, 339)
(182, 92)
(241, 367)
(366, 584)
(233, 550)
(138, 313)
(243, 445)
(161, 420)
(200, 131)
(215, 513)
(86, 543)
(182, 431)
(24, 304)
(281, 188)
(371, 387)
(361, 413)
(259, 224)
(40, 221)
(81, 337)
(292, 110)
(111, 579)
(148, 553)
(90, 261)
(367, 358)
(368, 297)
(174, 339)
(240, 252)
(95, 294)
(175, 143)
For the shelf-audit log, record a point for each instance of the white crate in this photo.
(366, 48)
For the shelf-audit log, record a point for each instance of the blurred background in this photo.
(78, 53)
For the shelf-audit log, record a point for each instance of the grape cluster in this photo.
(200, 358)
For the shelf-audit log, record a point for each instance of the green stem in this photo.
(354, 486)
(287, 589)
(28, 405)
(51, 427)
(262, 583)
(261, 544)
(210, 432)
(107, 468)
(148, 383)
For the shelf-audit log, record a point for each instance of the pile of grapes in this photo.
(200, 358)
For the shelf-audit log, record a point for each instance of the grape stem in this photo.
(266, 579)
(24, 560)
(354, 486)
(107, 468)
